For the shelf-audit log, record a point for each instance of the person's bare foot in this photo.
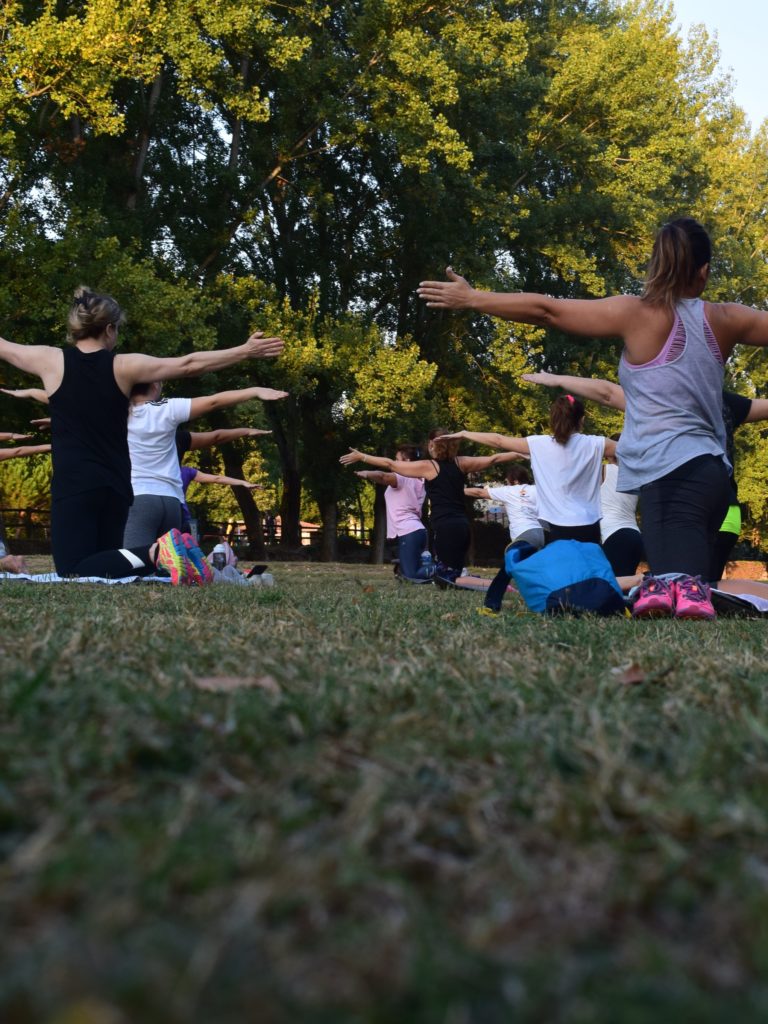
(13, 563)
(627, 582)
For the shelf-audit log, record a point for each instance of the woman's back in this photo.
(619, 509)
(152, 441)
(89, 426)
(446, 491)
(404, 504)
(674, 402)
(568, 478)
(520, 504)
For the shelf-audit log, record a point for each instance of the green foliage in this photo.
(69, 65)
(26, 483)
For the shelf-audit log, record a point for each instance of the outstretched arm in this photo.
(476, 492)
(493, 440)
(478, 463)
(378, 476)
(7, 436)
(605, 392)
(224, 399)
(135, 368)
(422, 469)
(216, 478)
(735, 324)
(758, 411)
(207, 438)
(598, 318)
(24, 450)
(43, 361)
(37, 394)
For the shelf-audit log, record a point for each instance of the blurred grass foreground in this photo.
(348, 800)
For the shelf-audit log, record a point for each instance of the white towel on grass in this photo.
(52, 577)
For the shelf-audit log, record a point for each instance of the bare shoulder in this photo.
(734, 323)
(730, 315)
(44, 361)
(133, 367)
(127, 361)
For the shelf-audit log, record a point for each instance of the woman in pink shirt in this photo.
(404, 497)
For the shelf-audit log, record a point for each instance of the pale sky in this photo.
(742, 35)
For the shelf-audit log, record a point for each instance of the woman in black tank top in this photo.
(444, 478)
(87, 387)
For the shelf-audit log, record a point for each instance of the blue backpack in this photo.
(565, 576)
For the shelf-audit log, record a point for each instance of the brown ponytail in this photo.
(681, 249)
(565, 417)
(91, 313)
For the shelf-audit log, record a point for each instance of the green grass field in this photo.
(348, 800)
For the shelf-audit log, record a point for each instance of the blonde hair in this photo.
(443, 449)
(681, 249)
(91, 313)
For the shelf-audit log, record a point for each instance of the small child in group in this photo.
(518, 497)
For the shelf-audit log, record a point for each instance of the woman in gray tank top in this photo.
(673, 446)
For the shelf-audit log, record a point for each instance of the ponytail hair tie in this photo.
(571, 399)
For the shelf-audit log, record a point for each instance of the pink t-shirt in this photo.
(404, 504)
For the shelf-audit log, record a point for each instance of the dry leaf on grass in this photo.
(227, 684)
(629, 674)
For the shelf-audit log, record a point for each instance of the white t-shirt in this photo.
(568, 478)
(404, 503)
(152, 445)
(619, 509)
(519, 501)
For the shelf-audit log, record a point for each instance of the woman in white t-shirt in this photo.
(619, 532)
(155, 471)
(567, 467)
(518, 497)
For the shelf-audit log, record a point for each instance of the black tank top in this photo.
(446, 491)
(89, 427)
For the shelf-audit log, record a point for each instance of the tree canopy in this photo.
(300, 168)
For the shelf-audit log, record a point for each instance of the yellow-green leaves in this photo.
(74, 61)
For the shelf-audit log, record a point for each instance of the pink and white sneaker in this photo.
(693, 599)
(655, 599)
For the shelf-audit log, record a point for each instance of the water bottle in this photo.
(427, 565)
(219, 557)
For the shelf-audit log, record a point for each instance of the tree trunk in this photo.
(237, 126)
(328, 539)
(290, 503)
(379, 527)
(143, 143)
(233, 466)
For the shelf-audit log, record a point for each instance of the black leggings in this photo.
(624, 550)
(586, 534)
(494, 595)
(725, 542)
(87, 533)
(681, 514)
(450, 538)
